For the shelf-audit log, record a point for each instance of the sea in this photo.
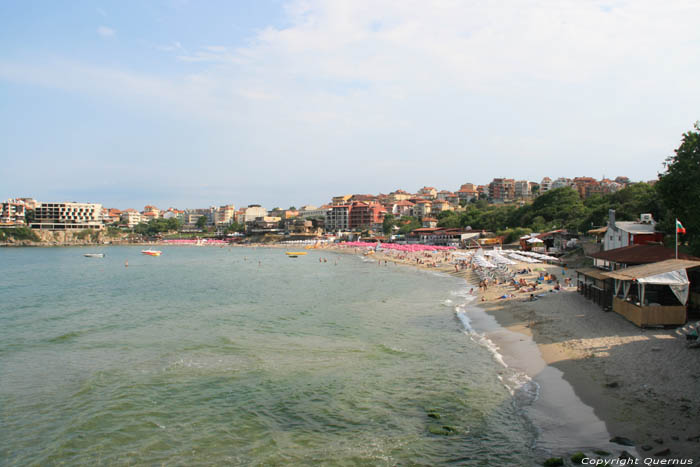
(243, 356)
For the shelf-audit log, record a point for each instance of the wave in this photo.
(522, 387)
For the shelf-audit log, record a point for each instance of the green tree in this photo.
(679, 188)
(201, 222)
(388, 224)
(409, 224)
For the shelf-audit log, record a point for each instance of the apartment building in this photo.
(338, 218)
(64, 216)
(224, 214)
(131, 218)
(522, 189)
(363, 215)
(12, 213)
(502, 190)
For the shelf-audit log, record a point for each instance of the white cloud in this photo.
(450, 82)
(104, 31)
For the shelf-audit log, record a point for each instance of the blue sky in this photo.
(188, 104)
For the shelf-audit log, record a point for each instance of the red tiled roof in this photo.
(641, 254)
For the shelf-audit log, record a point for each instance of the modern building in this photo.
(338, 218)
(502, 190)
(68, 216)
(545, 185)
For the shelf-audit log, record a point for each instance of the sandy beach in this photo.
(642, 383)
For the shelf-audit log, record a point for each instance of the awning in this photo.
(671, 272)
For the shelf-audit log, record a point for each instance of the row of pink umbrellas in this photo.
(396, 246)
(182, 241)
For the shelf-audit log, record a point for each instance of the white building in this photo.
(131, 217)
(545, 185)
(224, 214)
(561, 182)
(252, 212)
(309, 211)
(626, 233)
(522, 189)
(62, 216)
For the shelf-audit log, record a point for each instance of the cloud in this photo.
(104, 31)
(522, 87)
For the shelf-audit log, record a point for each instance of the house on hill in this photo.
(624, 233)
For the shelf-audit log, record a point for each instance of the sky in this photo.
(290, 102)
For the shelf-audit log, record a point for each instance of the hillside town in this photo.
(351, 215)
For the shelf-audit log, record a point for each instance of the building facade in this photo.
(65, 216)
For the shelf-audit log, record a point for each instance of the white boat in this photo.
(94, 255)
(151, 252)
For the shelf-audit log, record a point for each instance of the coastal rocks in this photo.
(442, 430)
(663, 452)
(613, 384)
(622, 441)
(553, 462)
(578, 457)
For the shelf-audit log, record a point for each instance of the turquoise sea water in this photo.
(214, 356)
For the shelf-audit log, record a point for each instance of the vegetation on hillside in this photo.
(156, 226)
(18, 233)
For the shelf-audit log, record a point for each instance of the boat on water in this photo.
(294, 254)
(94, 255)
(151, 252)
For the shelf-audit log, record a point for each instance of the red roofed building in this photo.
(428, 192)
(366, 215)
(402, 208)
(467, 192)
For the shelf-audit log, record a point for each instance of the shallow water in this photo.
(231, 355)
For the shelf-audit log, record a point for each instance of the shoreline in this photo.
(642, 383)
(600, 376)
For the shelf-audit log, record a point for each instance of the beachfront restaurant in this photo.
(654, 294)
(593, 284)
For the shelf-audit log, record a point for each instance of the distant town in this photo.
(344, 215)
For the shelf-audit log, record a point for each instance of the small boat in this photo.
(151, 252)
(294, 254)
(94, 255)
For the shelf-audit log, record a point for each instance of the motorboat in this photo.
(151, 252)
(294, 254)
(94, 255)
